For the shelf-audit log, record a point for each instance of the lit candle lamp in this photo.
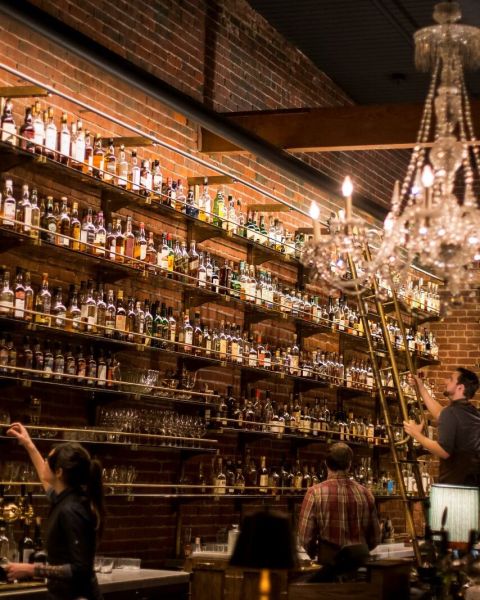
(347, 190)
(315, 214)
(427, 182)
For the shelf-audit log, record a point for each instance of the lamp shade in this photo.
(265, 542)
(462, 505)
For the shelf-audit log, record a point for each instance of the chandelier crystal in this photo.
(434, 219)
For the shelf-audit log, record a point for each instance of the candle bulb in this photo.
(315, 214)
(347, 190)
(427, 182)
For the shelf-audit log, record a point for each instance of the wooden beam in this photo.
(341, 128)
(22, 91)
(212, 180)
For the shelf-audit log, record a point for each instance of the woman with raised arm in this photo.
(73, 483)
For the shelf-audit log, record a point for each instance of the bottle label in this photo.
(120, 322)
(188, 337)
(202, 279)
(19, 305)
(8, 213)
(51, 139)
(220, 486)
(143, 252)
(264, 480)
(9, 132)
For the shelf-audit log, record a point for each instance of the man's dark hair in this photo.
(469, 380)
(339, 457)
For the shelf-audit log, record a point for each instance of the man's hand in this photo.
(19, 571)
(413, 379)
(413, 429)
(18, 431)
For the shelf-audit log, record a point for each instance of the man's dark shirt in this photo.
(70, 541)
(459, 435)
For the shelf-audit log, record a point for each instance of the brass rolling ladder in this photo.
(395, 445)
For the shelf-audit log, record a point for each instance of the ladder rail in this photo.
(388, 422)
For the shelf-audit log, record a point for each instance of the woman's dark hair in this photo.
(469, 381)
(80, 471)
(339, 457)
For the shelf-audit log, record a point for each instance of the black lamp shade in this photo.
(265, 542)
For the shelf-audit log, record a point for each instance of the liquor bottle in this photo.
(219, 208)
(98, 158)
(34, 216)
(201, 480)
(63, 230)
(59, 310)
(48, 359)
(110, 163)
(58, 362)
(220, 480)
(110, 315)
(38, 128)
(25, 212)
(146, 181)
(38, 554)
(9, 206)
(74, 313)
(231, 225)
(187, 334)
(201, 272)
(43, 302)
(25, 546)
(191, 207)
(157, 178)
(91, 372)
(129, 241)
(229, 478)
(7, 124)
(120, 316)
(193, 261)
(141, 245)
(100, 237)
(181, 199)
(4, 545)
(122, 168)
(81, 366)
(88, 159)
(64, 140)
(135, 173)
(50, 136)
(263, 476)
(239, 481)
(27, 132)
(119, 243)
(7, 296)
(19, 296)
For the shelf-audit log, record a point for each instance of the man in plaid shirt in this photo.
(337, 512)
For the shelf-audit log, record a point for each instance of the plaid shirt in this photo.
(338, 511)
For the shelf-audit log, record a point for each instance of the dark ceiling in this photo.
(365, 46)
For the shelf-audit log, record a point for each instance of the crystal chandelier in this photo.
(434, 219)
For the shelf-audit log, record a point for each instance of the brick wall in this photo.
(227, 56)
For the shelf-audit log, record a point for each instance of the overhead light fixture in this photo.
(434, 219)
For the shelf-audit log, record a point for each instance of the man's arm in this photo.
(415, 430)
(433, 407)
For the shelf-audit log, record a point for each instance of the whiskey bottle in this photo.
(140, 251)
(63, 225)
(181, 199)
(34, 216)
(191, 208)
(135, 173)
(58, 362)
(110, 163)
(129, 241)
(7, 124)
(38, 128)
(219, 209)
(50, 136)
(119, 243)
(120, 316)
(187, 334)
(64, 140)
(9, 206)
(193, 261)
(146, 181)
(110, 315)
(43, 302)
(101, 310)
(88, 160)
(6, 296)
(27, 132)
(100, 238)
(220, 480)
(74, 313)
(263, 476)
(157, 178)
(201, 272)
(122, 168)
(19, 296)
(47, 361)
(25, 212)
(98, 158)
(59, 310)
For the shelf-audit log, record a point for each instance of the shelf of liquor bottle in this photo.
(99, 387)
(111, 270)
(194, 357)
(106, 437)
(325, 436)
(421, 315)
(149, 203)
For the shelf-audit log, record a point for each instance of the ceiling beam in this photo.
(340, 128)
